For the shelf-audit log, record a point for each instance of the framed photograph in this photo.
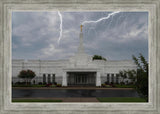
(74, 66)
(79, 56)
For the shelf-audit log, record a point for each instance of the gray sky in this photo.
(35, 35)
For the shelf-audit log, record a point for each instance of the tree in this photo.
(27, 75)
(142, 75)
(123, 75)
(132, 75)
(98, 57)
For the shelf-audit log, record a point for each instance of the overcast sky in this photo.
(35, 35)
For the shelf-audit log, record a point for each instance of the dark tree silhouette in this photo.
(123, 75)
(138, 77)
(142, 75)
(98, 57)
(27, 75)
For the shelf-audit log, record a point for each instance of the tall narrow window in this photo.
(107, 78)
(53, 78)
(117, 78)
(44, 78)
(49, 78)
(112, 78)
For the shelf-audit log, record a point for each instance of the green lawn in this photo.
(32, 86)
(121, 99)
(35, 100)
(28, 86)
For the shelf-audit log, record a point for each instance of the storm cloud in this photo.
(35, 35)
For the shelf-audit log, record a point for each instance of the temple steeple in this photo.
(81, 59)
(81, 48)
(81, 27)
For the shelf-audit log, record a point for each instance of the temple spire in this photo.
(81, 27)
(81, 48)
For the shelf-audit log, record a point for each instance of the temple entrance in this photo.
(81, 78)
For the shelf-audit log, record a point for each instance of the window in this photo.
(44, 78)
(108, 78)
(49, 78)
(53, 78)
(113, 78)
(117, 78)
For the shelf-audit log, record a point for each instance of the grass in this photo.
(121, 99)
(37, 85)
(35, 100)
(33, 86)
(28, 85)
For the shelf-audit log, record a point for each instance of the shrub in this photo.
(113, 86)
(130, 83)
(103, 85)
(44, 83)
(40, 83)
(126, 82)
(48, 85)
(107, 86)
(20, 83)
(117, 83)
(122, 83)
(112, 83)
(55, 83)
(58, 85)
(106, 82)
(17, 83)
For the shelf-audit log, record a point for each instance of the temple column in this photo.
(64, 79)
(98, 79)
(114, 78)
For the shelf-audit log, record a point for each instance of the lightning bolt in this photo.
(60, 32)
(85, 22)
(103, 18)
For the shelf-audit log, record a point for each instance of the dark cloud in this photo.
(35, 34)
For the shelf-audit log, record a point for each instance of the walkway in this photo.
(80, 100)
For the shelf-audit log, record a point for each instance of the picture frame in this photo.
(7, 6)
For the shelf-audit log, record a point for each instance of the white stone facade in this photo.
(50, 71)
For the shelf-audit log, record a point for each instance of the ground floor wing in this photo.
(90, 78)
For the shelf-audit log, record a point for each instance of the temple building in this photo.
(80, 69)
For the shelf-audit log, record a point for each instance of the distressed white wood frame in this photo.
(6, 8)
